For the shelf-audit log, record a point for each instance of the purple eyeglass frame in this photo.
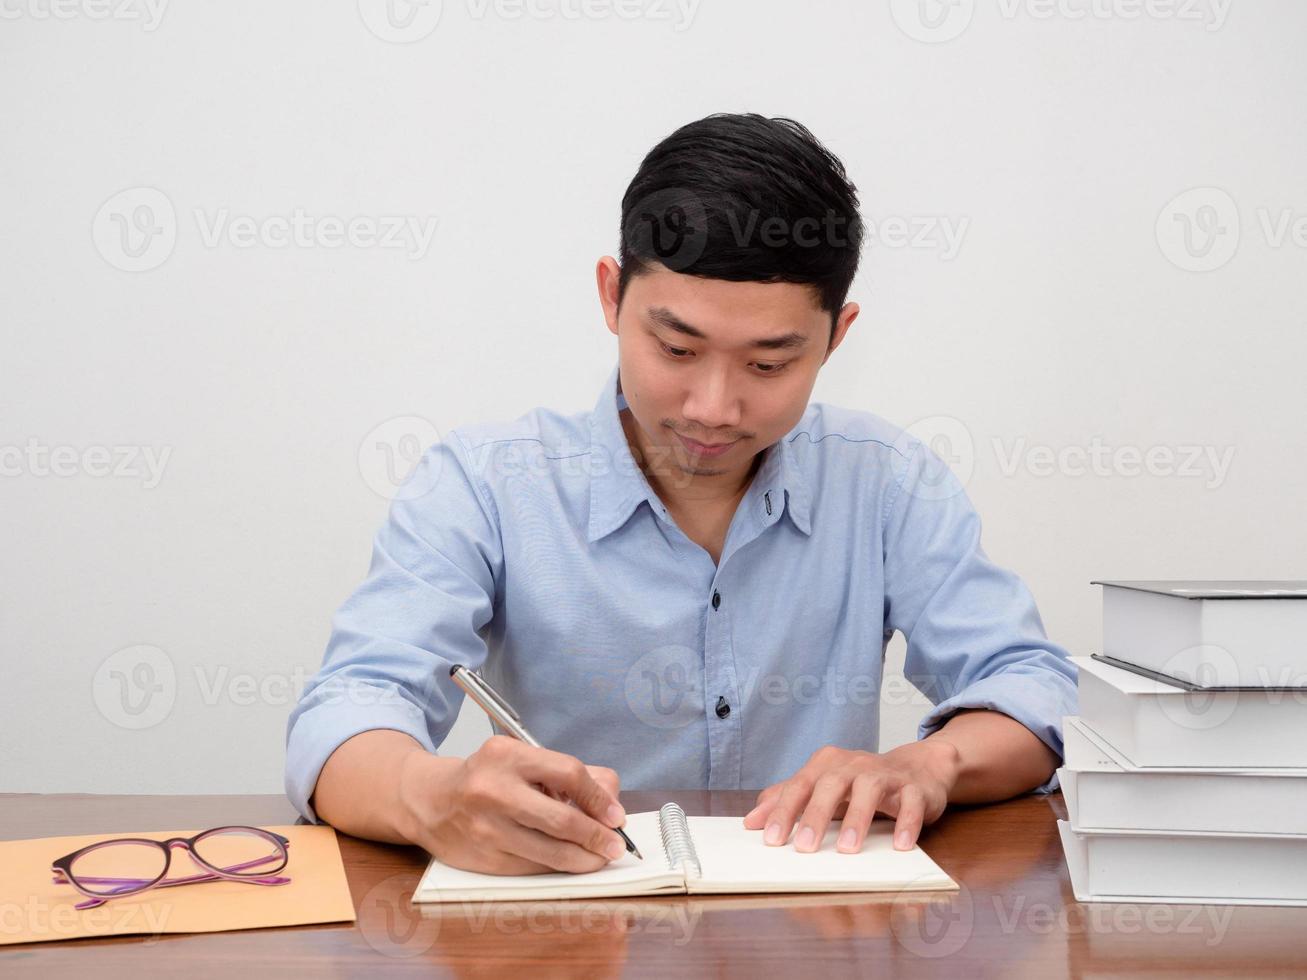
(62, 867)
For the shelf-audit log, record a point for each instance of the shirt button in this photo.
(716, 600)
(723, 709)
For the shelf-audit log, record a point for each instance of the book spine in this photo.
(678, 845)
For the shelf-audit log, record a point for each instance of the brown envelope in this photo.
(33, 909)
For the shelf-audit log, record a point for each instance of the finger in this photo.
(756, 818)
(504, 751)
(863, 796)
(486, 854)
(550, 852)
(827, 793)
(553, 794)
(563, 822)
(607, 778)
(567, 774)
(793, 798)
(496, 861)
(912, 811)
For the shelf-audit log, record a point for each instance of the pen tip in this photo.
(630, 844)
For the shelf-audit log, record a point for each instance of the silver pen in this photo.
(503, 715)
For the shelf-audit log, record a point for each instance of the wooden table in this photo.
(1015, 915)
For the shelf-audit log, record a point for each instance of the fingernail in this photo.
(616, 815)
(848, 838)
(615, 849)
(901, 840)
(807, 839)
(773, 835)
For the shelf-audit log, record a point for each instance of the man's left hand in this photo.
(910, 783)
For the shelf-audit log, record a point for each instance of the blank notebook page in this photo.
(736, 860)
(626, 876)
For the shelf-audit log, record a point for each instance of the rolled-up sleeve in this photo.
(424, 606)
(974, 635)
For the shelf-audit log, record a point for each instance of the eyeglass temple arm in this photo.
(133, 883)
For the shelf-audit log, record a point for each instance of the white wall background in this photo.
(1074, 314)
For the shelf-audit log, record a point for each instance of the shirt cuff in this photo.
(336, 717)
(1037, 699)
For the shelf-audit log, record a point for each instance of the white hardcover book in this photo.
(1204, 869)
(1104, 791)
(1239, 634)
(1152, 723)
(1084, 750)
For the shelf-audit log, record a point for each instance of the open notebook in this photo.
(690, 855)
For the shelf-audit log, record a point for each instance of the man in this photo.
(693, 585)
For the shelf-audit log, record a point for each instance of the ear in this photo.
(845, 320)
(607, 272)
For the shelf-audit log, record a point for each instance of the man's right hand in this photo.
(499, 811)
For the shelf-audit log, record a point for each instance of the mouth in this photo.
(705, 449)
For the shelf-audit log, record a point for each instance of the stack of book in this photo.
(1185, 773)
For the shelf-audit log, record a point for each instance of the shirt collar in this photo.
(618, 486)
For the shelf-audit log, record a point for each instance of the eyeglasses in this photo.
(129, 865)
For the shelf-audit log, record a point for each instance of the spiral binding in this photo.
(678, 845)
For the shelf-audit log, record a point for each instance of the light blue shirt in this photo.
(536, 551)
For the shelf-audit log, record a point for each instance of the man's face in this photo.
(714, 372)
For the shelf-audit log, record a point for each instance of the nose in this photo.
(711, 403)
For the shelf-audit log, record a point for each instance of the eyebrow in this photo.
(786, 341)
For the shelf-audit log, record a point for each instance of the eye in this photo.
(674, 351)
(771, 368)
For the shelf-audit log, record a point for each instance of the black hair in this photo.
(744, 198)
